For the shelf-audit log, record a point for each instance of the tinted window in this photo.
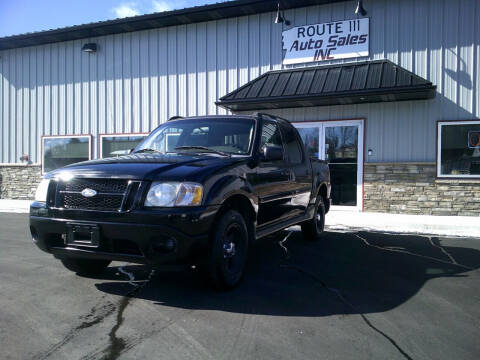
(230, 135)
(293, 148)
(271, 134)
(62, 151)
(460, 149)
(119, 145)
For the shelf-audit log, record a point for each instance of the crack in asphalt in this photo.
(95, 316)
(392, 249)
(117, 344)
(132, 342)
(340, 296)
(442, 249)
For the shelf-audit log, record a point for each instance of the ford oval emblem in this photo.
(89, 192)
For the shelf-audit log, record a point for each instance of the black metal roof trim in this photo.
(190, 15)
(339, 84)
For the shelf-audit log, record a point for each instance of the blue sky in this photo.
(21, 16)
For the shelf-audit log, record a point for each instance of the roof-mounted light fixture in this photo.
(280, 18)
(360, 9)
(90, 48)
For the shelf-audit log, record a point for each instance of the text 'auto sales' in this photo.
(327, 41)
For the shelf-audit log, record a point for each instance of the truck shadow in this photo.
(345, 273)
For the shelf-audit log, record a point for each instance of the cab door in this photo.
(301, 180)
(271, 182)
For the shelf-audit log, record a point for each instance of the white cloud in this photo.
(159, 6)
(126, 10)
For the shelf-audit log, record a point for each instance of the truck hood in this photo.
(172, 167)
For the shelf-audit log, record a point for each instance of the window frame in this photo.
(277, 123)
(90, 148)
(438, 159)
(101, 136)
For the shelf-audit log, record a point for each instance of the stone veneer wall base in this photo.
(19, 181)
(413, 188)
(401, 188)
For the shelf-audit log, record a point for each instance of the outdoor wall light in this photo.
(360, 9)
(280, 18)
(370, 152)
(90, 48)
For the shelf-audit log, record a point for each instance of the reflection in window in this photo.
(271, 134)
(341, 143)
(219, 134)
(459, 149)
(119, 144)
(62, 151)
(310, 137)
(292, 145)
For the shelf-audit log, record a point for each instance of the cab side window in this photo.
(293, 148)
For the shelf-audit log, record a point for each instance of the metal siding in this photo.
(153, 71)
(211, 87)
(202, 68)
(191, 55)
(144, 85)
(138, 80)
(222, 62)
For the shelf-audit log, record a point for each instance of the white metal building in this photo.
(397, 115)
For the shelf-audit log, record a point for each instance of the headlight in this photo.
(170, 194)
(42, 189)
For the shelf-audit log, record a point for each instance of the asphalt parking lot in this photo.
(355, 295)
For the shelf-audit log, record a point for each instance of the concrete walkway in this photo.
(409, 224)
(342, 220)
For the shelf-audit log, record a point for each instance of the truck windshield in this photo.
(232, 136)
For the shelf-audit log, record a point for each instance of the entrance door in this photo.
(341, 144)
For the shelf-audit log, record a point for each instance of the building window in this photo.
(117, 145)
(458, 149)
(59, 151)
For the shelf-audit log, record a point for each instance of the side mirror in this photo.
(272, 153)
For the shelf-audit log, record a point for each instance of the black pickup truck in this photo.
(197, 190)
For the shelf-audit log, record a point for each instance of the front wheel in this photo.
(85, 266)
(313, 228)
(228, 251)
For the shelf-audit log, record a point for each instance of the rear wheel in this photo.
(313, 228)
(228, 252)
(86, 266)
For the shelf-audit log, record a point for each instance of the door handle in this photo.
(289, 173)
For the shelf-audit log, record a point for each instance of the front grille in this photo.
(99, 202)
(110, 194)
(100, 185)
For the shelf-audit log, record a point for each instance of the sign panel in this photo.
(327, 41)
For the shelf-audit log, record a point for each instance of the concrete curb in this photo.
(14, 206)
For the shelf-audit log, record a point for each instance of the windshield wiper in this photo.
(145, 150)
(202, 148)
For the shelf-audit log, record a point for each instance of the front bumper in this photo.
(141, 236)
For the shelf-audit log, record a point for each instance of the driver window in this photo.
(271, 134)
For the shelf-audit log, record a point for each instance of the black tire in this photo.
(312, 229)
(86, 266)
(228, 252)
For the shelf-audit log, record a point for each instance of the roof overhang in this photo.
(222, 10)
(340, 84)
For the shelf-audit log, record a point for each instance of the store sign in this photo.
(327, 41)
